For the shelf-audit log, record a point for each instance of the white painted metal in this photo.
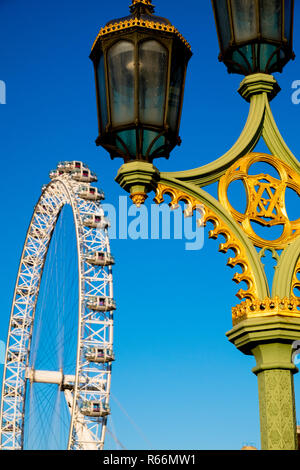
(91, 381)
(85, 437)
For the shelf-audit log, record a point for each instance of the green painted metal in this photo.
(270, 340)
(138, 176)
(275, 142)
(277, 410)
(285, 269)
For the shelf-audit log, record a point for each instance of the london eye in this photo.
(59, 352)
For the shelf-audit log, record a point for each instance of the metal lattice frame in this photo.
(95, 328)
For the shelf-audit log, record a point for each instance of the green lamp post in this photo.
(140, 63)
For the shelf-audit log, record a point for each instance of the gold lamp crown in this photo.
(141, 16)
(148, 3)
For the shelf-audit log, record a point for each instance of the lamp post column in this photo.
(269, 341)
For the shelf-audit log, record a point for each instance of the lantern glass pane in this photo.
(129, 139)
(288, 9)
(223, 22)
(176, 83)
(153, 59)
(268, 57)
(102, 92)
(271, 19)
(121, 82)
(148, 138)
(244, 59)
(244, 20)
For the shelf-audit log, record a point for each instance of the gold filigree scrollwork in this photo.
(220, 228)
(265, 198)
(265, 308)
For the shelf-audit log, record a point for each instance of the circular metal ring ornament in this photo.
(266, 204)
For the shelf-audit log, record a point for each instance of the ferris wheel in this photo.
(59, 352)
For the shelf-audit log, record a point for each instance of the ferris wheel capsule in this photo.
(20, 322)
(55, 173)
(16, 356)
(44, 209)
(95, 408)
(31, 260)
(10, 391)
(69, 166)
(90, 193)
(37, 233)
(25, 291)
(84, 175)
(10, 426)
(101, 304)
(100, 258)
(96, 221)
(99, 355)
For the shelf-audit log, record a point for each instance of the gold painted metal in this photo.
(220, 228)
(145, 2)
(138, 198)
(136, 22)
(265, 198)
(265, 308)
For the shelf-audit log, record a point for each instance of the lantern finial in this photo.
(141, 6)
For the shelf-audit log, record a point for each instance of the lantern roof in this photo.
(141, 16)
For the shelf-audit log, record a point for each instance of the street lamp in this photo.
(254, 35)
(255, 39)
(140, 64)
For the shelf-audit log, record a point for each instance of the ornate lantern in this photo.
(140, 64)
(254, 35)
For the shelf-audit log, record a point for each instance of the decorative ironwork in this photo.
(129, 22)
(122, 25)
(220, 228)
(145, 2)
(138, 198)
(275, 255)
(265, 308)
(265, 198)
(296, 283)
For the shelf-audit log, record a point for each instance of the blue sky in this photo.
(183, 385)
